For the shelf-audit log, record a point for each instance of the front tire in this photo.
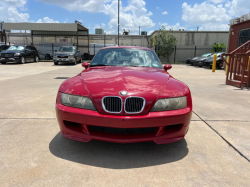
(22, 60)
(36, 59)
(55, 63)
(3, 62)
(221, 65)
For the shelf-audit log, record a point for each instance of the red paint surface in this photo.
(233, 43)
(150, 83)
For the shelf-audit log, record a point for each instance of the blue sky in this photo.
(149, 14)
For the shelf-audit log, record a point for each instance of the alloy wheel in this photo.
(22, 60)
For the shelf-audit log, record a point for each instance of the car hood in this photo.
(137, 81)
(150, 83)
(64, 53)
(12, 51)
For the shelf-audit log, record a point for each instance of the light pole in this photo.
(118, 19)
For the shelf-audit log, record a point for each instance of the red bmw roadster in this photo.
(124, 95)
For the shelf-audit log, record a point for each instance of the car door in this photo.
(33, 53)
(77, 56)
(28, 53)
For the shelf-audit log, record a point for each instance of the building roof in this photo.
(44, 26)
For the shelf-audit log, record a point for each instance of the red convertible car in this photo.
(124, 95)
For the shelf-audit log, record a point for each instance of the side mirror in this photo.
(85, 65)
(167, 67)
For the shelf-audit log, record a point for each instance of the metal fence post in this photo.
(94, 49)
(174, 53)
(104, 39)
(52, 49)
(194, 51)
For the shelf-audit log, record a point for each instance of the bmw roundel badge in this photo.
(123, 93)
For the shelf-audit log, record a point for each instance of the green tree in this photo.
(218, 47)
(165, 42)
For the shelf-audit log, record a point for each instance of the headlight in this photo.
(77, 101)
(170, 104)
(71, 57)
(17, 54)
(54, 56)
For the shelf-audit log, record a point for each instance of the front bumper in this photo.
(207, 64)
(70, 60)
(78, 124)
(12, 59)
(198, 63)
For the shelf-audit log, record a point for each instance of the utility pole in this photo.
(197, 28)
(118, 19)
(104, 38)
(139, 30)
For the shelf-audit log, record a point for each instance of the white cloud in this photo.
(10, 11)
(217, 1)
(238, 8)
(66, 20)
(172, 27)
(165, 12)
(206, 15)
(47, 20)
(150, 32)
(132, 16)
(79, 5)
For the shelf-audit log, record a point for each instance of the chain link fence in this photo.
(180, 54)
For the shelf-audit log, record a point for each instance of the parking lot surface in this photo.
(215, 152)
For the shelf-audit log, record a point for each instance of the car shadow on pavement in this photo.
(117, 156)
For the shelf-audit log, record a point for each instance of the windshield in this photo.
(219, 54)
(18, 48)
(206, 55)
(126, 57)
(67, 49)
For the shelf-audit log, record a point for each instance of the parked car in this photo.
(124, 95)
(46, 50)
(20, 54)
(68, 54)
(191, 61)
(199, 61)
(219, 62)
(3, 47)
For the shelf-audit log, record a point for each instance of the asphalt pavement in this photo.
(215, 152)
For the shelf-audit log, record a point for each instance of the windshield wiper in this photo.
(137, 66)
(100, 65)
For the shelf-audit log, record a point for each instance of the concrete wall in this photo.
(198, 38)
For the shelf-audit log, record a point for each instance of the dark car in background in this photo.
(20, 54)
(219, 62)
(199, 61)
(3, 47)
(68, 54)
(191, 60)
